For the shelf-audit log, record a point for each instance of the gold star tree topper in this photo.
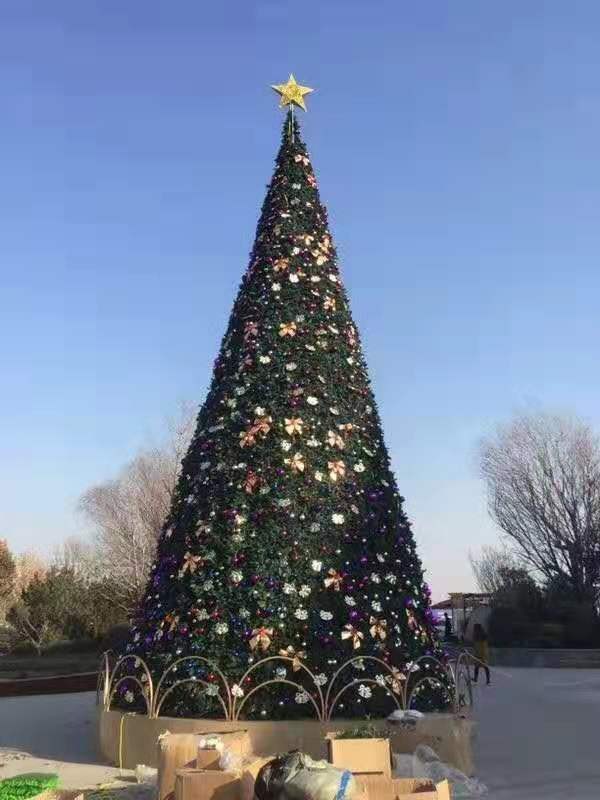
(291, 93)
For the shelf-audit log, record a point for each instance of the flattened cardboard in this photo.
(175, 750)
(211, 784)
(60, 794)
(238, 742)
(207, 759)
(370, 756)
(381, 788)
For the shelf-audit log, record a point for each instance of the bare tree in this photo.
(7, 578)
(36, 633)
(29, 566)
(77, 555)
(491, 566)
(543, 479)
(128, 513)
(7, 570)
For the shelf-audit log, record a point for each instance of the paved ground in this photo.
(52, 733)
(539, 736)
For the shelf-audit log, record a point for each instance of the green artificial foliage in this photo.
(22, 787)
(362, 732)
(287, 534)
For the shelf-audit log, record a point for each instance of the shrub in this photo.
(520, 592)
(71, 646)
(57, 648)
(510, 627)
(23, 649)
(581, 626)
(551, 634)
(116, 639)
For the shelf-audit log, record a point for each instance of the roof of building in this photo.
(457, 599)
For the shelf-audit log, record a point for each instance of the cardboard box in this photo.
(211, 784)
(362, 756)
(238, 742)
(60, 794)
(175, 750)
(249, 775)
(379, 788)
(207, 759)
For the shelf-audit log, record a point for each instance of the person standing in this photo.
(481, 652)
(447, 626)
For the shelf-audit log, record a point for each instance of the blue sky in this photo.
(457, 150)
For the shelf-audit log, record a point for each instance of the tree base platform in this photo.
(129, 739)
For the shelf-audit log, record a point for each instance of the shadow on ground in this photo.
(55, 727)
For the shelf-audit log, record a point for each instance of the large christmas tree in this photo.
(286, 533)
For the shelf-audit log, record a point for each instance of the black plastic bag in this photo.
(295, 776)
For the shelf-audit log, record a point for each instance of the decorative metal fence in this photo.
(131, 676)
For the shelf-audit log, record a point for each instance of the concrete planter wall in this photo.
(131, 738)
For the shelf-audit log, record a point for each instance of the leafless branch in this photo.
(490, 567)
(542, 473)
(127, 513)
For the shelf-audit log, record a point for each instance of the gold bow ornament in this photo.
(287, 329)
(378, 629)
(355, 636)
(296, 655)
(293, 425)
(395, 680)
(190, 564)
(261, 639)
(334, 580)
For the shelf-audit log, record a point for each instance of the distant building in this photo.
(465, 609)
